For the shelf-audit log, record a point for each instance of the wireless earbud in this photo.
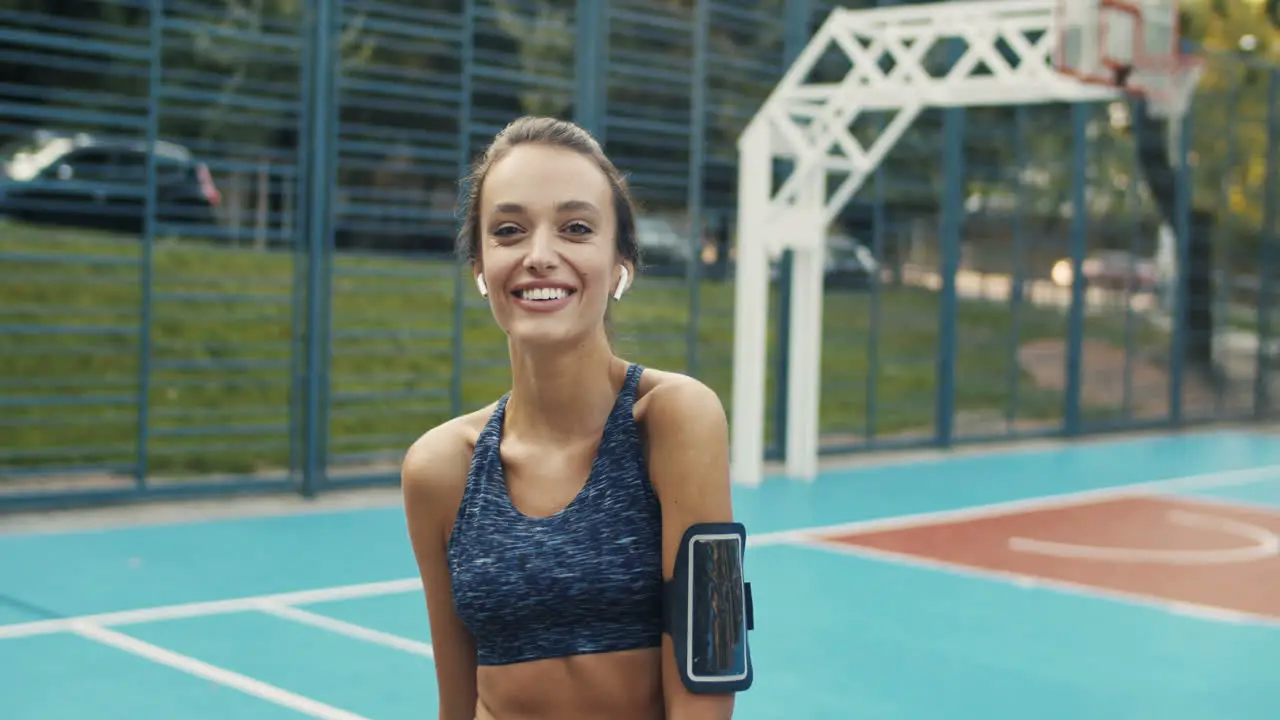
(484, 289)
(622, 283)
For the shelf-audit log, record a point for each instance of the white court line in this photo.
(1231, 503)
(215, 607)
(1204, 481)
(1177, 607)
(343, 627)
(1264, 544)
(800, 536)
(212, 673)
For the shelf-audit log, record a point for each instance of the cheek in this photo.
(498, 264)
(594, 265)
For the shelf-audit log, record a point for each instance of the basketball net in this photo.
(1169, 89)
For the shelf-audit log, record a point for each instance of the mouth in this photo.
(542, 294)
(543, 298)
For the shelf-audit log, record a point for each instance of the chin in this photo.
(547, 332)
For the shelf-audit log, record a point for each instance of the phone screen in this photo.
(717, 609)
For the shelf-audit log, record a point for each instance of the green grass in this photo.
(222, 338)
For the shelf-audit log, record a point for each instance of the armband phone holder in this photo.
(707, 609)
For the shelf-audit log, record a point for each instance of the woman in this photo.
(545, 524)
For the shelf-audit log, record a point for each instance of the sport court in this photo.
(1134, 578)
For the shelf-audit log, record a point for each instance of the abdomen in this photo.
(621, 685)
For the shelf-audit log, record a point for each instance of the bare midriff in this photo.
(619, 686)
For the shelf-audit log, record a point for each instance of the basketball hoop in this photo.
(1134, 46)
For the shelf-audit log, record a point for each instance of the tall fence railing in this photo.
(225, 256)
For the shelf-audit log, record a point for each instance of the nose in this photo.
(542, 255)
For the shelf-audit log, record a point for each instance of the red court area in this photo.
(1208, 553)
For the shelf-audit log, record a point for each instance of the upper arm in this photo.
(432, 478)
(688, 438)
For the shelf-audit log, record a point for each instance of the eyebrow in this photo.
(566, 206)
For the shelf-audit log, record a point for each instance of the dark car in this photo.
(847, 264)
(87, 181)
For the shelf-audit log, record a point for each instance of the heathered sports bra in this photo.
(587, 579)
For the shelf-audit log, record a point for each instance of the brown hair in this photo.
(557, 133)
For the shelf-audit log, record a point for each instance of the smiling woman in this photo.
(548, 526)
(591, 209)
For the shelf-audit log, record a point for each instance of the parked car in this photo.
(663, 246)
(1110, 269)
(666, 249)
(847, 265)
(84, 180)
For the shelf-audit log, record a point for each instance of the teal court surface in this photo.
(1135, 578)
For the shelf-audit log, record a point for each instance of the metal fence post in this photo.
(1017, 288)
(953, 173)
(299, 425)
(1182, 219)
(876, 309)
(1226, 235)
(1079, 227)
(319, 183)
(591, 18)
(697, 158)
(1267, 250)
(461, 275)
(949, 232)
(146, 262)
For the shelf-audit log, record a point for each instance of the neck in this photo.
(562, 395)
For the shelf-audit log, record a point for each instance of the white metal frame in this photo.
(808, 124)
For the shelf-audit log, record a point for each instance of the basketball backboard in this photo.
(1133, 45)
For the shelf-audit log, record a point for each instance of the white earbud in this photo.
(622, 284)
(484, 289)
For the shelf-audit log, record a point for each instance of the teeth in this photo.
(544, 293)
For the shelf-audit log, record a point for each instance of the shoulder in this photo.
(668, 401)
(686, 439)
(433, 473)
(686, 436)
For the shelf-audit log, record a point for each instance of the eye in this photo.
(578, 228)
(505, 230)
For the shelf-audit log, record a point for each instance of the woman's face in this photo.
(547, 247)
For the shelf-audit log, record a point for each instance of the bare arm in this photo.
(432, 479)
(689, 468)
